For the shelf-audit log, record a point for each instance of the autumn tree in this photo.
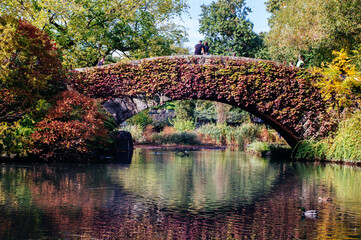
(30, 67)
(340, 85)
(226, 28)
(73, 127)
(312, 28)
(87, 30)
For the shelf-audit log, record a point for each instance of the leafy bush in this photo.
(345, 146)
(135, 130)
(258, 147)
(311, 149)
(247, 133)
(73, 127)
(14, 139)
(223, 134)
(141, 119)
(182, 125)
(340, 85)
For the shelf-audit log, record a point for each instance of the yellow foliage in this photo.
(340, 82)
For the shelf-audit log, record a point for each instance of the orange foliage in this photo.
(70, 127)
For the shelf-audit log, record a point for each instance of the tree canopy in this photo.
(227, 29)
(313, 28)
(86, 30)
(30, 67)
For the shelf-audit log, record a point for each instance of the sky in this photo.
(258, 17)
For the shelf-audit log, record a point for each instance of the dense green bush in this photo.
(311, 149)
(183, 124)
(141, 119)
(258, 147)
(344, 146)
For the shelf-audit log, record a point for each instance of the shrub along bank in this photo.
(344, 146)
(38, 118)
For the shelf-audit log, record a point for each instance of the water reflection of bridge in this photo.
(102, 201)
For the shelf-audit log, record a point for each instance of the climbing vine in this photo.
(283, 95)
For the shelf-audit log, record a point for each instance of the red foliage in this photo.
(282, 96)
(13, 103)
(71, 126)
(31, 68)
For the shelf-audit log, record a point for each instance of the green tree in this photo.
(184, 110)
(227, 29)
(87, 30)
(312, 28)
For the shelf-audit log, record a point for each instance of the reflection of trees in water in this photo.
(87, 202)
(206, 180)
(55, 199)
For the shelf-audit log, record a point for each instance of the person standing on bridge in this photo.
(206, 48)
(300, 62)
(101, 62)
(198, 48)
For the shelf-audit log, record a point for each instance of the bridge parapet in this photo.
(190, 59)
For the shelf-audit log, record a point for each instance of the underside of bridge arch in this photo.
(284, 97)
(124, 108)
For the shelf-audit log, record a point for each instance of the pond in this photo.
(208, 194)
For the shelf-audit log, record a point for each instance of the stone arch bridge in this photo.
(282, 96)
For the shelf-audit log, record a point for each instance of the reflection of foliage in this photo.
(341, 184)
(198, 182)
(283, 94)
(71, 126)
(216, 195)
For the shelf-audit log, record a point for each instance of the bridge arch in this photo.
(282, 96)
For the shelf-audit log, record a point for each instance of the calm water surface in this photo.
(210, 194)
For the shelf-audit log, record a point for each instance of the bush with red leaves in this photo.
(73, 128)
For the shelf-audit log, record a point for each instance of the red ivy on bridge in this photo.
(276, 93)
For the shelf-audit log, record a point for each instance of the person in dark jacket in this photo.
(101, 62)
(206, 48)
(198, 48)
